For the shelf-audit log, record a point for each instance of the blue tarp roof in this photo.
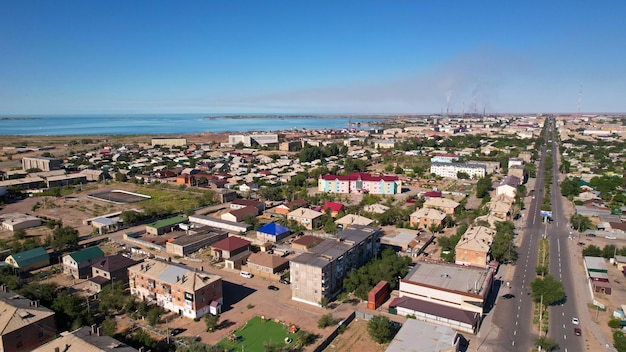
(273, 229)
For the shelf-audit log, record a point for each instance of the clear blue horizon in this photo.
(256, 57)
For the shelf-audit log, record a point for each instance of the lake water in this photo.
(165, 123)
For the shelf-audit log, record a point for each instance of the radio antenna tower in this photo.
(580, 100)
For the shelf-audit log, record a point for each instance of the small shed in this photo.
(601, 287)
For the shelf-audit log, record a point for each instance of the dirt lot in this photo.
(355, 338)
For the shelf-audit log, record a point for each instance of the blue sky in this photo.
(78, 57)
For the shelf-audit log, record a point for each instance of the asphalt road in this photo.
(514, 313)
(561, 326)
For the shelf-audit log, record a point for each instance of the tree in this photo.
(546, 343)
(547, 290)
(63, 237)
(19, 234)
(154, 315)
(592, 251)
(581, 222)
(462, 175)
(324, 302)
(113, 297)
(379, 329)
(109, 326)
(325, 321)
(211, 322)
(619, 341)
(120, 177)
(570, 187)
(483, 186)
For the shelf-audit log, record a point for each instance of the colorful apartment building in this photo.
(360, 182)
(176, 288)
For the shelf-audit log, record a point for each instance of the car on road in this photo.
(577, 332)
(273, 288)
(591, 235)
(575, 321)
(284, 281)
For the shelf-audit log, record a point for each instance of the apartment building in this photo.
(360, 182)
(320, 272)
(450, 170)
(176, 288)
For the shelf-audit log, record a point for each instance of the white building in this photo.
(253, 139)
(450, 170)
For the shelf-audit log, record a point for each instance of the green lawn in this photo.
(256, 332)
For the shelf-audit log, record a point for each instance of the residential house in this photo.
(29, 260)
(267, 265)
(352, 219)
(375, 208)
(179, 289)
(78, 264)
(517, 171)
(272, 232)
(109, 269)
(508, 186)
(500, 206)
(333, 207)
(229, 247)
(474, 246)
(240, 214)
(289, 206)
(446, 205)
(424, 218)
(304, 243)
(85, 339)
(242, 203)
(308, 218)
(24, 324)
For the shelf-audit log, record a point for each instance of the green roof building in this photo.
(78, 264)
(163, 226)
(29, 260)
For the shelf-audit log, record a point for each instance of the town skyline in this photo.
(314, 58)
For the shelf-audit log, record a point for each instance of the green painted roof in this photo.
(86, 254)
(26, 258)
(168, 222)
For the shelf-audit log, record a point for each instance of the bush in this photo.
(614, 323)
(325, 321)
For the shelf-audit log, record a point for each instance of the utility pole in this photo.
(167, 331)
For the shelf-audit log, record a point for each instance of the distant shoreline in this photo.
(20, 118)
(373, 117)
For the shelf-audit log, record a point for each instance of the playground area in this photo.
(258, 332)
(118, 196)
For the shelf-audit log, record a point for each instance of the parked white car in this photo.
(245, 274)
